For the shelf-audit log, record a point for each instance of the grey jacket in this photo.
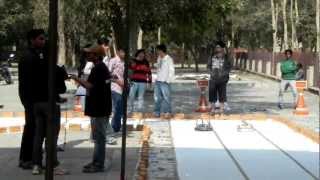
(219, 69)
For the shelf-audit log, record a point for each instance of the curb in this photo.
(315, 137)
(143, 163)
(78, 122)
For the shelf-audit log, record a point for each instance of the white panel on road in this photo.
(200, 156)
(299, 147)
(258, 157)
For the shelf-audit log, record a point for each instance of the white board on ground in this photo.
(201, 156)
(298, 146)
(259, 158)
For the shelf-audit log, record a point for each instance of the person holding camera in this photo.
(98, 106)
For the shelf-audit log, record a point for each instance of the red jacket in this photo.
(140, 71)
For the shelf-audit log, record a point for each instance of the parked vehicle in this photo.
(5, 63)
(5, 73)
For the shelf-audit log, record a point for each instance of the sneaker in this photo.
(59, 171)
(167, 115)
(213, 108)
(217, 104)
(280, 106)
(111, 141)
(94, 168)
(36, 170)
(60, 149)
(26, 165)
(227, 107)
(221, 111)
(88, 165)
(156, 115)
(107, 165)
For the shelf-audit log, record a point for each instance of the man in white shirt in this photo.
(165, 75)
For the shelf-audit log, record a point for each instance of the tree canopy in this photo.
(194, 24)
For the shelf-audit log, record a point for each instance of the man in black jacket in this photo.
(33, 91)
(27, 70)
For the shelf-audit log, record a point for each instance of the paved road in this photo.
(78, 153)
(247, 93)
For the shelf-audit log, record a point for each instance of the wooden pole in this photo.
(125, 90)
(53, 37)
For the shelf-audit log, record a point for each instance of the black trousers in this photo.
(217, 90)
(26, 149)
(41, 113)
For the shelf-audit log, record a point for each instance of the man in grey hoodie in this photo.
(219, 68)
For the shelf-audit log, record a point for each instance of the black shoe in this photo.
(87, 166)
(93, 169)
(60, 149)
(26, 165)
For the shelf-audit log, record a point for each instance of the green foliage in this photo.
(14, 21)
(196, 23)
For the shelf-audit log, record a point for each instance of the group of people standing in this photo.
(105, 86)
(102, 80)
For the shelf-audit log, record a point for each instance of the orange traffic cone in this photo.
(77, 105)
(301, 108)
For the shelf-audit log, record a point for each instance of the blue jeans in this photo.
(137, 87)
(162, 93)
(117, 111)
(99, 130)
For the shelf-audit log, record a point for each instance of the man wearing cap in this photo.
(219, 68)
(98, 106)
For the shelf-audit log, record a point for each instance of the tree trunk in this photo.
(274, 25)
(294, 40)
(297, 18)
(61, 34)
(297, 12)
(285, 24)
(134, 32)
(159, 35)
(195, 55)
(140, 39)
(318, 34)
(183, 56)
(318, 25)
(118, 26)
(292, 24)
(275, 11)
(70, 52)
